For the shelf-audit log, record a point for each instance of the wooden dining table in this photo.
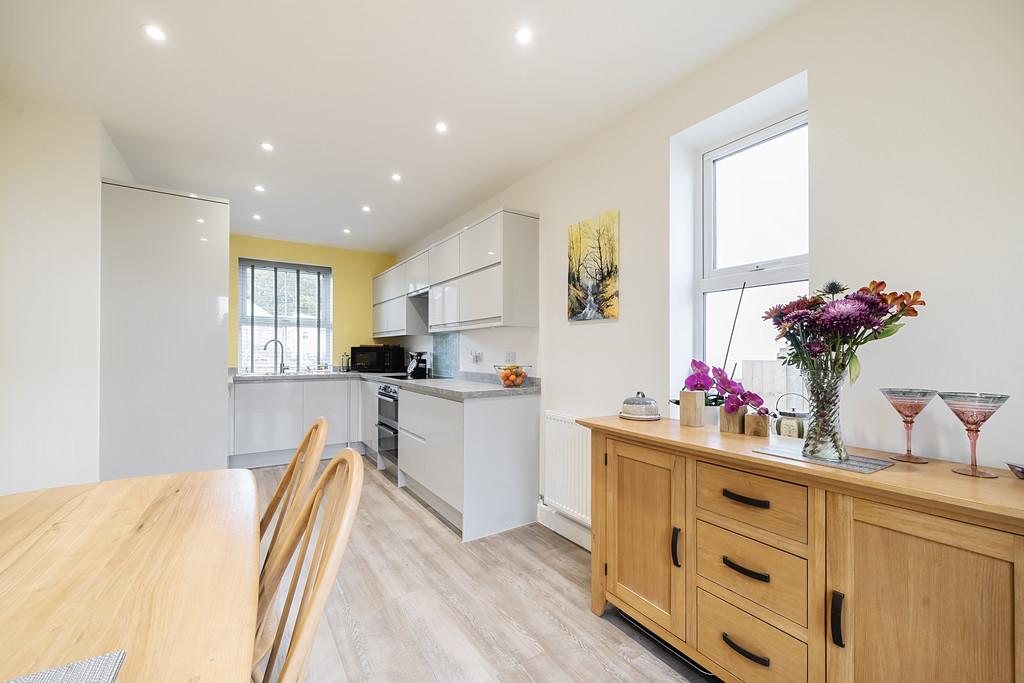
(164, 568)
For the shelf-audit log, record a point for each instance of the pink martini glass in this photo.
(908, 403)
(973, 410)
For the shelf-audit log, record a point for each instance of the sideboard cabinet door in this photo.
(913, 597)
(645, 523)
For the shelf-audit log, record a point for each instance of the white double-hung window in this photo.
(755, 234)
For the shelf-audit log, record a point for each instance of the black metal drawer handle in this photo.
(757, 576)
(836, 608)
(752, 502)
(675, 546)
(756, 659)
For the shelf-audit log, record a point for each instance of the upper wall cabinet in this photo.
(480, 245)
(444, 260)
(390, 284)
(493, 267)
(417, 273)
(485, 275)
(400, 316)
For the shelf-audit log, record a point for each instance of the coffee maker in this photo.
(417, 365)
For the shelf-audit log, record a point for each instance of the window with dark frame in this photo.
(286, 302)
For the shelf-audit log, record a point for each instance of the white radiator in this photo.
(566, 484)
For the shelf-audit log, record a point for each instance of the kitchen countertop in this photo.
(451, 389)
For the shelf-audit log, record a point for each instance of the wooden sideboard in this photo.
(762, 568)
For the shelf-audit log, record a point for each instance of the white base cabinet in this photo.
(273, 416)
(368, 414)
(475, 462)
(268, 416)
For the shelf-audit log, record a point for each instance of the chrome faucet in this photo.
(282, 366)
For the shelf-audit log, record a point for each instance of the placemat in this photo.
(101, 669)
(856, 463)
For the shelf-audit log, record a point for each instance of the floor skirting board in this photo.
(563, 526)
(272, 458)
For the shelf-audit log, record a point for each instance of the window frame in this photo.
(325, 313)
(771, 272)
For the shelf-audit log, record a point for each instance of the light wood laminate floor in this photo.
(413, 603)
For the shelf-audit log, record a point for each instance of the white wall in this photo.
(916, 159)
(50, 276)
(112, 164)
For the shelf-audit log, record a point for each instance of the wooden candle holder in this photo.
(755, 425)
(731, 422)
(691, 408)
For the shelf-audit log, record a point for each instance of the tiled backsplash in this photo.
(446, 354)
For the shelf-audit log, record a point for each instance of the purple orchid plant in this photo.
(730, 394)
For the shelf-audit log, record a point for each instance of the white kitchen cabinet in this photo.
(268, 416)
(389, 284)
(163, 271)
(498, 275)
(430, 444)
(328, 399)
(480, 296)
(475, 462)
(368, 414)
(480, 245)
(399, 317)
(417, 273)
(444, 304)
(443, 260)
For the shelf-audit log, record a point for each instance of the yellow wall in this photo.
(351, 272)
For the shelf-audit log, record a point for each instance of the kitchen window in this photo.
(754, 208)
(287, 302)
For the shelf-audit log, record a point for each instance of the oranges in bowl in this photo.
(511, 375)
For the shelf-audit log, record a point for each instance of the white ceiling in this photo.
(349, 91)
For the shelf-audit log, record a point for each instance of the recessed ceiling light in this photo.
(524, 35)
(257, 217)
(267, 147)
(155, 33)
(397, 177)
(441, 127)
(200, 220)
(259, 188)
(366, 209)
(203, 239)
(347, 231)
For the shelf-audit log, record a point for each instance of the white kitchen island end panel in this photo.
(476, 462)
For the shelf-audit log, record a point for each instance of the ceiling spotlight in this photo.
(155, 33)
(257, 217)
(441, 127)
(266, 147)
(397, 177)
(200, 220)
(524, 35)
(203, 239)
(347, 231)
(259, 188)
(366, 209)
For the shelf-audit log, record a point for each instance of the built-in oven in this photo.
(387, 422)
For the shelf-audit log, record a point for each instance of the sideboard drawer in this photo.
(747, 646)
(770, 577)
(769, 504)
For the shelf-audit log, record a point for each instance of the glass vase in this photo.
(824, 437)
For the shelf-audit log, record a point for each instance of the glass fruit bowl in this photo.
(512, 375)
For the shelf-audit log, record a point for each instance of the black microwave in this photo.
(378, 358)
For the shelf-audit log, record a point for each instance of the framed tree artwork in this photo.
(593, 285)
